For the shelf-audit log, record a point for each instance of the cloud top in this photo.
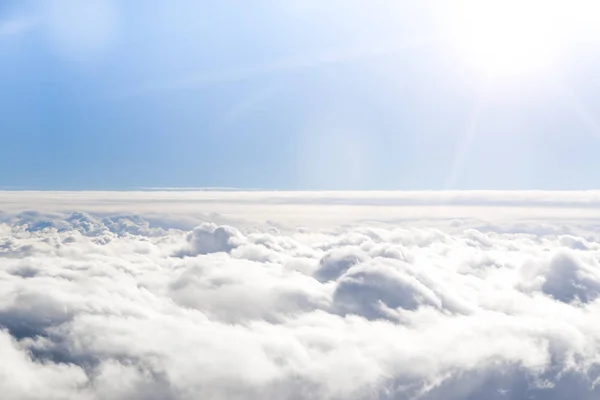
(98, 305)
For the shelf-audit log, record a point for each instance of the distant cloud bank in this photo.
(285, 295)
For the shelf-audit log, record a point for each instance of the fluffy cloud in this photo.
(117, 305)
(210, 238)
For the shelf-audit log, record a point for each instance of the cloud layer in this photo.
(97, 305)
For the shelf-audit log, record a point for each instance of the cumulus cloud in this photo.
(102, 303)
(210, 238)
(567, 278)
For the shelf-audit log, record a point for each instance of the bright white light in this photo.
(502, 38)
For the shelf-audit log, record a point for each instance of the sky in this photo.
(294, 95)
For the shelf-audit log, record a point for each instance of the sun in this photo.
(507, 38)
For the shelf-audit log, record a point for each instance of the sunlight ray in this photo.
(466, 140)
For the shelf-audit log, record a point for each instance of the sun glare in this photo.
(503, 38)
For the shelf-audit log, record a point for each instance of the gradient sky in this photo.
(299, 94)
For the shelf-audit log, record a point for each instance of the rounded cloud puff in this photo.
(567, 278)
(210, 238)
(376, 288)
(337, 261)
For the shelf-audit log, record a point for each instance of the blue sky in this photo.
(299, 95)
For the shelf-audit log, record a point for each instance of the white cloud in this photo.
(210, 238)
(99, 302)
